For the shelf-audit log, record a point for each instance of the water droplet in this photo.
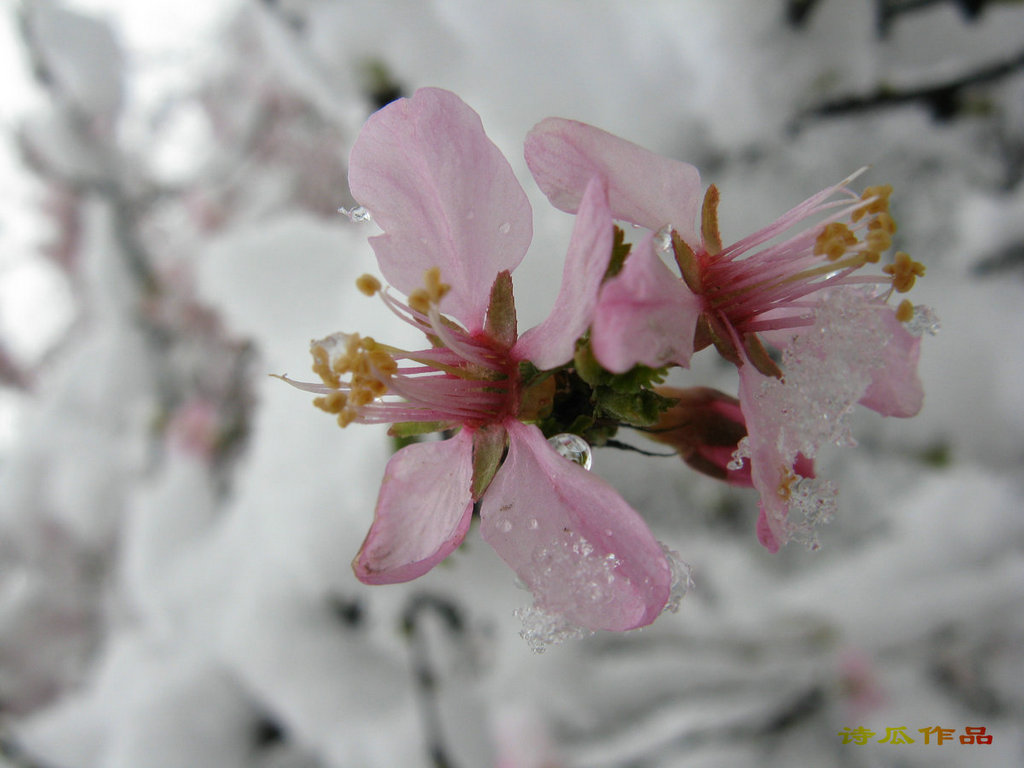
(505, 526)
(663, 239)
(356, 214)
(505, 228)
(533, 525)
(574, 448)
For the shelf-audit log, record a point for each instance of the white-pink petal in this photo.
(895, 389)
(768, 464)
(643, 188)
(423, 511)
(645, 315)
(581, 549)
(445, 197)
(553, 342)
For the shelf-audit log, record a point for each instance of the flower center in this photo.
(755, 285)
(462, 379)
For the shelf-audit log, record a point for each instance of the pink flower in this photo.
(450, 207)
(836, 340)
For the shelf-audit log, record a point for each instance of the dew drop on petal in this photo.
(534, 524)
(663, 240)
(356, 214)
(505, 228)
(574, 448)
(505, 526)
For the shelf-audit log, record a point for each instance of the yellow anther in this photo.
(346, 417)
(786, 479)
(872, 257)
(368, 285)
(332, 403)
(834, 241)
(350, 359)
(905, 311)
(904, 271)
(435, 288)
(878, 240)
(322, 368)
(419, 300)
(382, 362)
(883, 221)
(361, 396)
(876, 201)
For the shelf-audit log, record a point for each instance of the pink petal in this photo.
(445, 197)
(766, 460)
(423, 511)
(580, 548)
(643, 188)
(553, 342)
(645, 315)
(764, 530)
(895, 388)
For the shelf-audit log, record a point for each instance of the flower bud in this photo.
(704, 427)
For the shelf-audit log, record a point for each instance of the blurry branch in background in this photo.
(11, 374)
(799, 12)
(886, 11)
(797, 679)
(376, 83)
(425, 672)
(176, 326)
(14, 756)
(962, 96)
(1006, 259)
(944, 100)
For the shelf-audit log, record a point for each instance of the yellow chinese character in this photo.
(896, 736)
(856, 735)
(942, 734)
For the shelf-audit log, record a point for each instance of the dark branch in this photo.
(943, 100)
(424, 674)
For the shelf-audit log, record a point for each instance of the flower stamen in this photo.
(904, 271)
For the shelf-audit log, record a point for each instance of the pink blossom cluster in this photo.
(810, 335)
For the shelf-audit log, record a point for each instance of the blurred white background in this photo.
(176, 527)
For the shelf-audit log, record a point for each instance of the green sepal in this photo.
(636, 378)
(709, 222)
(638, 409)
(414, 428)
(686, 260)
(488, 450)
(500, 323)
(758, 355)
(586, 365)
(620, 250)
(408, 432)
(719, 334)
